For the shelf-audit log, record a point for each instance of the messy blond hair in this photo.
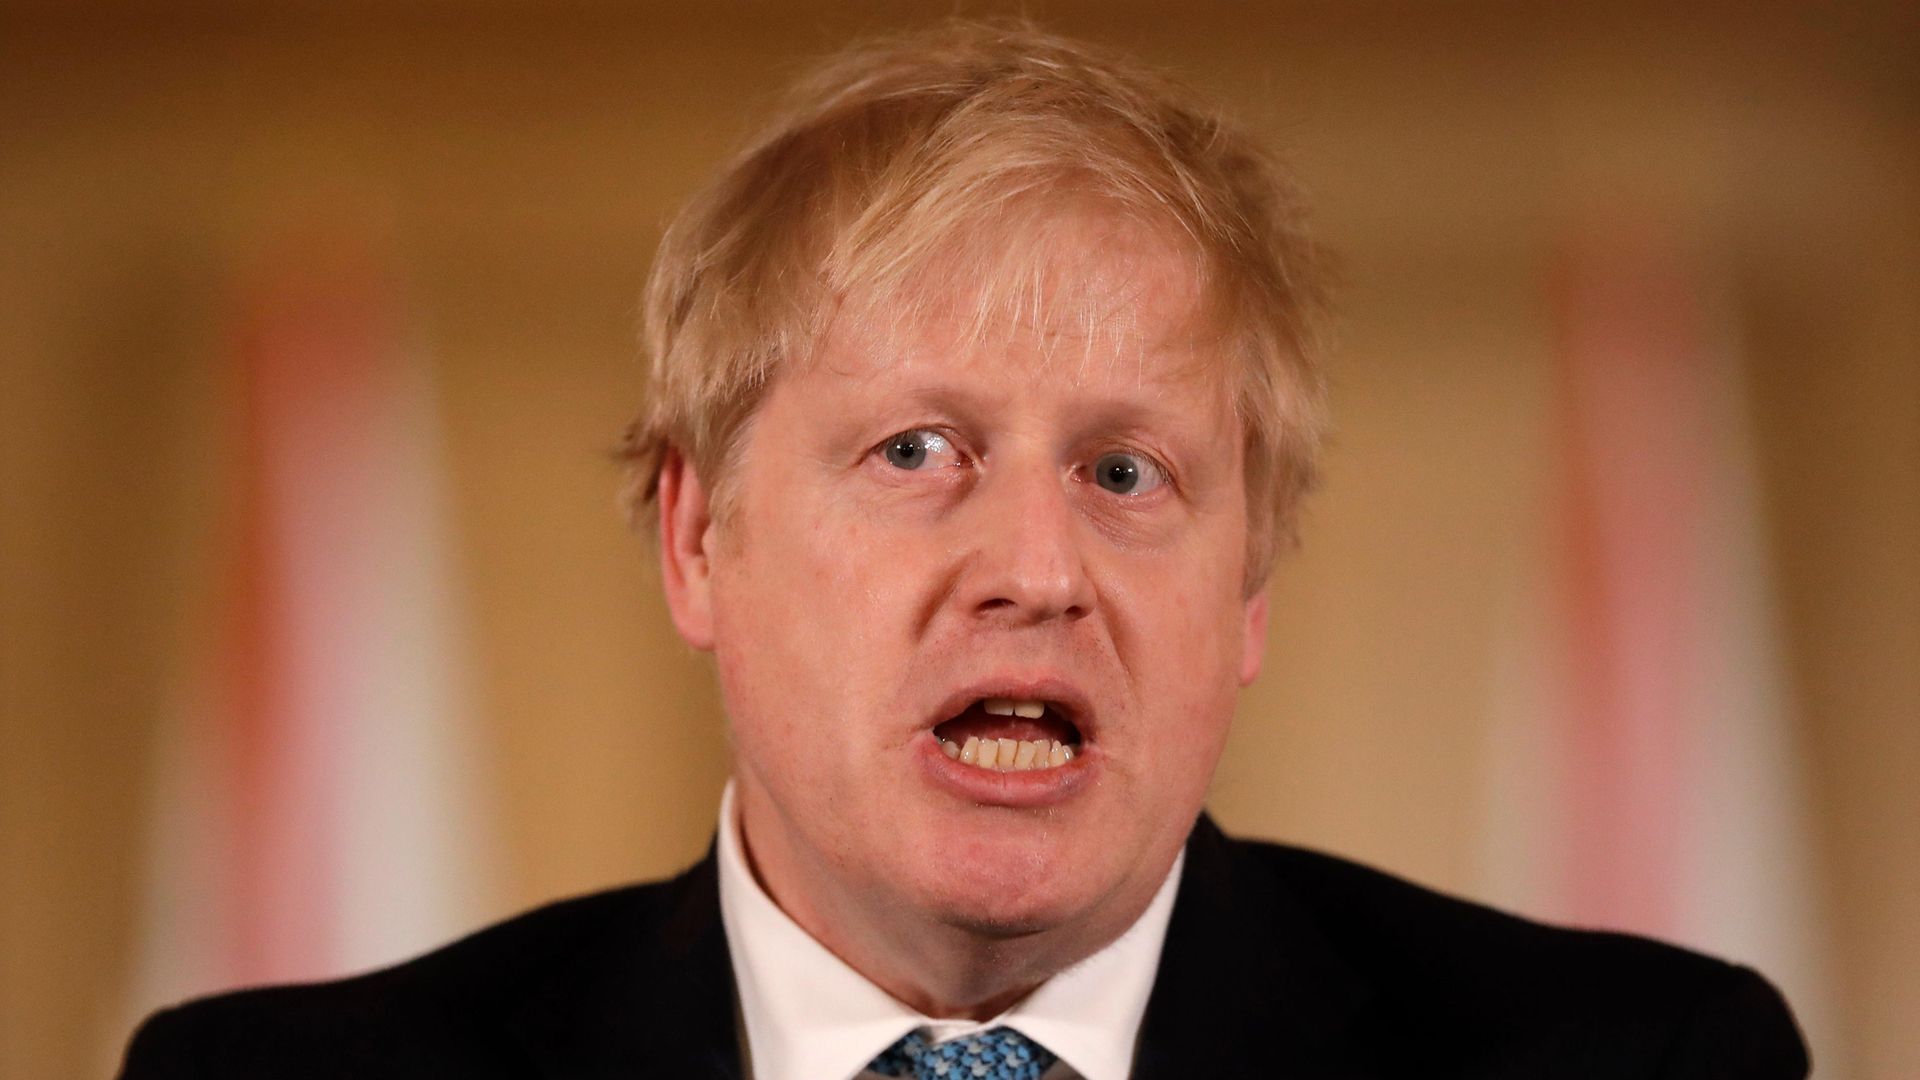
(893, 160)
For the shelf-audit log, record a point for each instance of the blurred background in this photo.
(322, 639)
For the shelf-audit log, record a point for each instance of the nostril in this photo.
(1028, 581)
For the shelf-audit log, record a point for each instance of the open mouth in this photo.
(1010, 735)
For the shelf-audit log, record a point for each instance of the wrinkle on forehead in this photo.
(1083, 293)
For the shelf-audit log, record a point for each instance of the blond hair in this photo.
(898, 155)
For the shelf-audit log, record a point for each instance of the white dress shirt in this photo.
(808, 1016)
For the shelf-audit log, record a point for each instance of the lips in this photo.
(1015, 728)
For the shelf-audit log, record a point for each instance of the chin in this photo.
(1001, 919)
(1009, 894)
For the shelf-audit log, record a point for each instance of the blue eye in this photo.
(1127, 474)
(913, 449)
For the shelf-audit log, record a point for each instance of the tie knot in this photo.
(999, 1054)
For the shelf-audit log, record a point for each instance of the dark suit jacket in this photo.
(1279, 962)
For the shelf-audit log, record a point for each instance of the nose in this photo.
(1027, 563)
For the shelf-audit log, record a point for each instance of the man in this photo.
(984, 394)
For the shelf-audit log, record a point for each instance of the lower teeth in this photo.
(1008, 755)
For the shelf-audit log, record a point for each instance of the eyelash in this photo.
(1160, 474)
(952, 444)
(1082, 472)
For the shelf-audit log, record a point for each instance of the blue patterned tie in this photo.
(1000, 1054)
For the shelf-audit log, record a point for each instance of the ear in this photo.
(1253, 636)
(686, 539)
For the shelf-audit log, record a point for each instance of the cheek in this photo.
(814, 618)
(1180, 630)
(789, 560)
(1180, 619)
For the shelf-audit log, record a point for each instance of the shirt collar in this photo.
(808, 1015)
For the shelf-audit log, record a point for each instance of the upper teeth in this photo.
(1031, 710)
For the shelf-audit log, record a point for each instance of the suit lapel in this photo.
(653, 996)
(1247, 984)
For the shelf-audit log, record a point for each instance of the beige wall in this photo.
(515, 163)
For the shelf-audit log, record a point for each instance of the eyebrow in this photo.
(1185, 429)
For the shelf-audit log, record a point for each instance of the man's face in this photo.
(923, 530)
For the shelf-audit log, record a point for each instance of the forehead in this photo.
(1076, 298)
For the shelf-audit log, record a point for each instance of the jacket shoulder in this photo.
(445, 1007)
(1455, 973)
